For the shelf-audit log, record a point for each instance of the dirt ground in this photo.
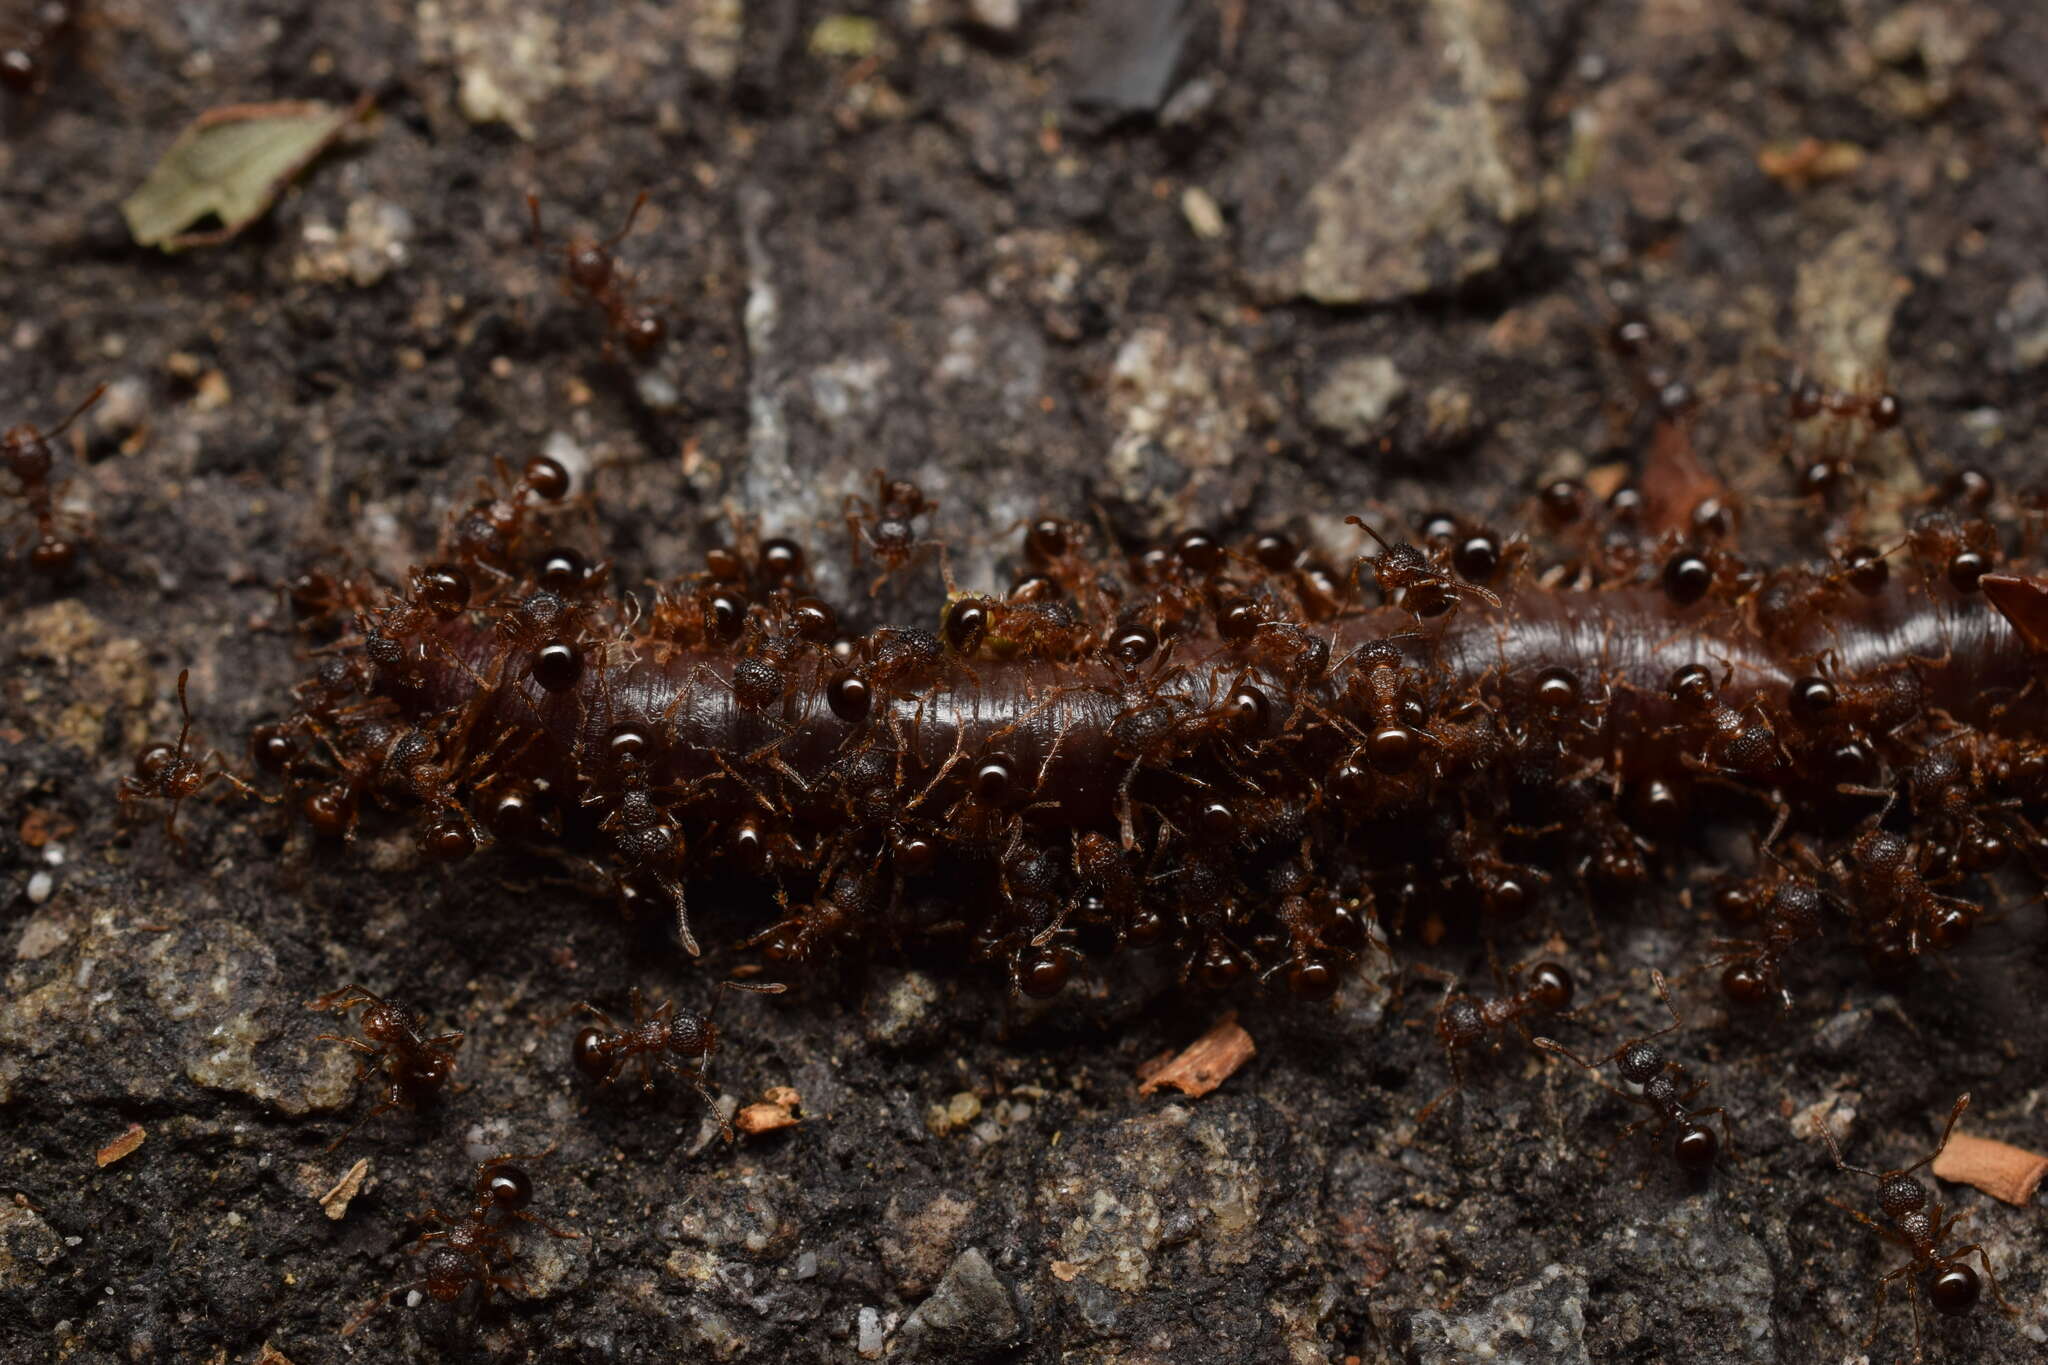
(1238, 263)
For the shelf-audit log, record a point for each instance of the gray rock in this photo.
(1436, 176)
(1357, 397)
(1699, 1264)
(969, 1311)
(28, 1247)
(2024, 320)
(1539, 1322)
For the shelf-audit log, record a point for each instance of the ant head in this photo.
(384, 1022)
(27, 453)
(1461, 1021)
(1640, 1061)
(1901, 1195)
(446, 1272)
(691, 1034)
(152, 763)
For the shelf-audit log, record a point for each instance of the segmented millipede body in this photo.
(1231, 756)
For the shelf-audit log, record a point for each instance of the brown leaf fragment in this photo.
(1999, 1169)
(230, 164)
(1205, 1063)
(335, 1202)
(121, 1146)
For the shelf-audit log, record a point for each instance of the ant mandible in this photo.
(415, 1066)
(1642, 1063)
(462, 1253)
(676, 1040)
(1903, 1199)
(27, 451)
(168, 772)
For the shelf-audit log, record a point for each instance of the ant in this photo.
(1462, 1020)
(27, 451)
(677, 1040)
(1406, 576)
(1642, 1063)
(415, 1066)
(1790, 907)
(1955, 1288)
(887, 527)
(168, 772)
(591, 272)
(465, 1252)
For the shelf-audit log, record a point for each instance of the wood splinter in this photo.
(1205, 1063)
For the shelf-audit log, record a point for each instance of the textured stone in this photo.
(1538, 1322)
(969, 1312)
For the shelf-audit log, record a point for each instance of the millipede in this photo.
(1230, 755)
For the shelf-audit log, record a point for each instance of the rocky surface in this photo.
(1236, 264)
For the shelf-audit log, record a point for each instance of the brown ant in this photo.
(590, 270)
(887, 526)
(415, 1066)
(1407, 577)
(1884, 870)
(1790, 907)
(1955, 1288)
(168, 772)
(1462, 1020)
(1642, 1063)
(27, 451)
(465, 1252)
(681, 1041)
(487, 538)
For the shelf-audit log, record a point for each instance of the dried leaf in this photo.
(121, 1146)
(1997, 1168)
(1205, 1063)
(230, 163)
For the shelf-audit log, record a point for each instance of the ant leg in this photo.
(1727, 1130)
(1888, 1233)
(346, 998)
(370, 1309)
(711, 1106)
(1457, 1084)
(358, 1044)
(350, 1131)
